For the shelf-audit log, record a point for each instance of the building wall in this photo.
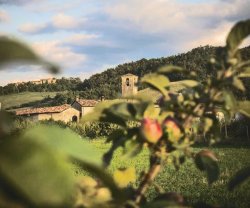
(129, 86)
(65, 116)
(83, 110)
(32, 118)
(86, 110)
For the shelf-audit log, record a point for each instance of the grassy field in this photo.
(191, 182)
(16, 100)
(174, 87)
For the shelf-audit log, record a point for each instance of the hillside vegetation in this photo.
(108, 83)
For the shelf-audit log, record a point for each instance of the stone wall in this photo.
(86, 110)
(65, 116)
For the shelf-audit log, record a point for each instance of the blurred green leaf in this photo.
(152, 112)
(239, 178)
(132, 148)
(205, 160)
(169, 69)
(123, 177)
(12, 50)
(238, 84)
(188, 83)
(244, 107)
(65, 141)
(230, 101)
(5, 124)
(208, 123)
(245, 72)
(118, 142)
(118, 195)
(237, 34)
(156, 81)
(36, 173)
(102, 113)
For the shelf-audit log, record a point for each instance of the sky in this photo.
(89, 36)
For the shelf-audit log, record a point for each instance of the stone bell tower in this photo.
(129, 84)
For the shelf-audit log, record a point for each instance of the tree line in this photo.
(108, 83)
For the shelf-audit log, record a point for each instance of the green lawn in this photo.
(16, 100)
(191, 182)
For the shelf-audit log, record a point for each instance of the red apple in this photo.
(173, 130)
(151, 130)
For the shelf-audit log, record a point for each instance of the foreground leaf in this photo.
(237, 34)
(124, 176)
(65, 141)
(205, 160)
(170, 69)
(239, 178)
(156, 81)
(35, 173)
(118, 195)
(12, 50)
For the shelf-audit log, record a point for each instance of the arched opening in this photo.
(74, 119)
(127, 81)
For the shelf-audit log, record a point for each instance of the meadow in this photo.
(188, 180)
(16, 100)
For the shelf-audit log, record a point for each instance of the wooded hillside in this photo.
(108, 83)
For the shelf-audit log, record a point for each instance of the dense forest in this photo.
(108, 83)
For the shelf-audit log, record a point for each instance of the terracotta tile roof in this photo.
(54, 109)
(87, 103)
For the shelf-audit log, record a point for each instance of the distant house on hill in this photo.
(64, 113)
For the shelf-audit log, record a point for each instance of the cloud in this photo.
(58, 22)
(63, 55)
(113, 32)
(33, 28)
(62, 21)
(4, 17)
(184, 22)
(17, 2)
(81, 39)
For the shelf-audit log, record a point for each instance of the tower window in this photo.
(127, 81)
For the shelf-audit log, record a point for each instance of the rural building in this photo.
(84, 106)
(79, 108)
(41, 81)
(48, 81)
(129, 84)
(64, 113)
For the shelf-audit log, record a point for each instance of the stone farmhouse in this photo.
(79, 108)
(65, 113)
(57, 113)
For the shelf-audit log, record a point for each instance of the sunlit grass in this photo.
(16, 100)
(189, 181)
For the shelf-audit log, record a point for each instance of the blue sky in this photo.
(89, 36)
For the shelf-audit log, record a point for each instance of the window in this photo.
(127, 81)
